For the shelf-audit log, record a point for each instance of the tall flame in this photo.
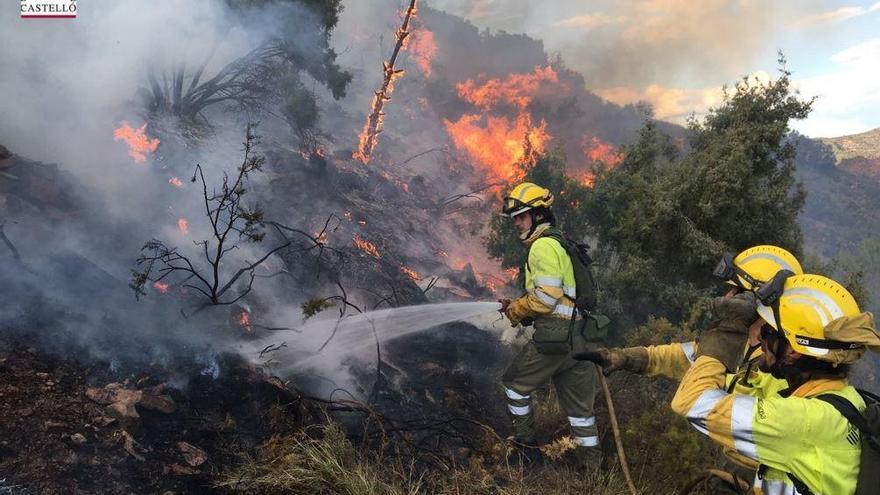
(499, 143)
(136, 139)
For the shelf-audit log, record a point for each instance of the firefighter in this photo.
(734, 314)
(811, 332)
(548, 304)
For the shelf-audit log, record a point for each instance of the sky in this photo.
(678, 54)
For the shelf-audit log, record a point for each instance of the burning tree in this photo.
(373, 125)
(231, 221)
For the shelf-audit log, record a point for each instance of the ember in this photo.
(409, 272)
(367, 247)
(183, 225)
(176, 182)
(244, 320)
(161, 287)
(136, 139)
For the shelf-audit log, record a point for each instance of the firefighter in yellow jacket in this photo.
(549, 286)
(812, 330)
(734, 314)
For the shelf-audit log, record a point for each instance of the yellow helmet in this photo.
(806, 306)
(524, 197)
(756, 265)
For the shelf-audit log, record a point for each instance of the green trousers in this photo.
(576, 387)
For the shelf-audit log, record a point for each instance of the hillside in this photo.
(857, 153)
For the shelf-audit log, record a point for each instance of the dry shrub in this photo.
(326, 463)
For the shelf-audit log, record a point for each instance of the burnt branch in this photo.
(232, 221)
(9, 244)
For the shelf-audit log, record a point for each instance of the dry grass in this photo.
(326, 462)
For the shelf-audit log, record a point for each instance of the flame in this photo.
(423, 48)
(366, 246)
(176, 182)
(409, 272)
(588, 179)
(599, 151)
(136, 139)
(320, 238)
(161, 287)
(183, 225)
(498, 144)
(511, 273)
(517, 90)
(244, 320)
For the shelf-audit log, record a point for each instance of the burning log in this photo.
(373, 125)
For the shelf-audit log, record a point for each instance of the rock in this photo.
(54, 425)
(4, 152)
(125, 413)
(108, 394)
(43, 375)
(179, 470)
(130, 446)
(161, 403)
(78, 438)
(193, 455)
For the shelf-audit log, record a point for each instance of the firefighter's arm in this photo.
(547, 272)
(670, 360)
(753, 427)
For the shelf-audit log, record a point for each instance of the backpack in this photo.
(586, 289)
(591, 329)
(868, 424)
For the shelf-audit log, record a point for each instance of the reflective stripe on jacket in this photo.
(549, 277)
(796, 434)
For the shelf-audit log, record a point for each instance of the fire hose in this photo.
(618, 442)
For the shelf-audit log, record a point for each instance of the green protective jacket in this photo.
(794, 434)
(549, 277)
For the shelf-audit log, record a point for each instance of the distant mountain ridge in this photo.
(857, 153)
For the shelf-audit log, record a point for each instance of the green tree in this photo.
(663, 218)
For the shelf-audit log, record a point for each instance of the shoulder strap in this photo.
(853, 415)
(848, 410)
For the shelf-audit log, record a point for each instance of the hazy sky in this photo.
(677, 54)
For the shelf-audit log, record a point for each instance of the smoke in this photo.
(636, 44)
(66, 85)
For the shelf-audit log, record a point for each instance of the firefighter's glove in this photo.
(634, 359)
(517, 310)
(727, 347)
(504, 304)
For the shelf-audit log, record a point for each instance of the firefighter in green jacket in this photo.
(812, 331)
(548, 303)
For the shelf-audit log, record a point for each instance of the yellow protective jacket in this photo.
(549, 277)
(674, 360)
(793, 434)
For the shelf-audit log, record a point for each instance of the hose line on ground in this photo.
(621, 456)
